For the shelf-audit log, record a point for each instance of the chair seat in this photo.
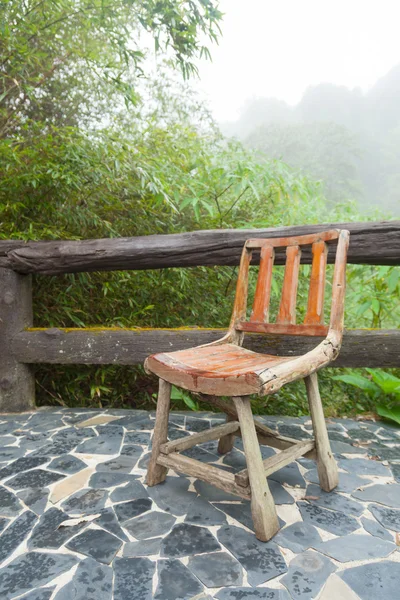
(221, 370)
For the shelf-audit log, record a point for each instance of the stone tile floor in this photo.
(78, 522)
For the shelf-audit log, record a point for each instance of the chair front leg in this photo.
(326, 464)
(263, 508)
(157, 473)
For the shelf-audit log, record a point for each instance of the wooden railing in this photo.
(21, 345)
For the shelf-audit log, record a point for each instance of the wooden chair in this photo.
(226, 368)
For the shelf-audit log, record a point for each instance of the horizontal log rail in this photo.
(375, 243)
(100, 346)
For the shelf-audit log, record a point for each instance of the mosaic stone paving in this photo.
(78, 522)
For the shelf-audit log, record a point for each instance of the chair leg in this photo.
(226, 442)
(157, 473)
(263, 508)
(326, 464)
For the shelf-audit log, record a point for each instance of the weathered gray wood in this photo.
(199, 438)
(17, 382)
(326, 464)
(218, 477)
(274, 463)
(155, 472)
(226, 442)
(360, 348)
(371, 243)
(263, 509)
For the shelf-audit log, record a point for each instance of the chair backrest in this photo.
(313, 324)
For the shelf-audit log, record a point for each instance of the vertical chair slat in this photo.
(316, 294)
(240, 305)
(287, 308)
(263, 288)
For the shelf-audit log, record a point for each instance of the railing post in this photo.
(17, 382)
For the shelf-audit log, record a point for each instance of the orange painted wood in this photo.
(283, 329)
(263, 288)
(287, 308)
(301, 240)
(316, 295)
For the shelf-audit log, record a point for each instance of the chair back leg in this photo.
(263, 508)
(226, 442)
(326, 464)
(157, 473)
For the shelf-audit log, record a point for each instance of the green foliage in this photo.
(382, 387)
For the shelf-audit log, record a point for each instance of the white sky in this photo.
(280, 47)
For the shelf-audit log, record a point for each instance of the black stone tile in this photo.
(293, 431)
(186, 540)
(133, 508)
(107, 442)
(332, 500)
(388, 517)
(174, 433)
(298, 537)
(48, 533)
(236, 459)
(200, 454)
(133, 578)
(150, 525)
(108, 521)
(290, 475)
(347, 448)
(387, 494)
(22, 464)
(39, 594)
(361, 434)
(35, 498)
(10, 453)
(279, 493)
(136, 423)
(201, 512)
(396, 471)
(66, 463)
(35, 478)
(307, 574)
(176, 581)
(374, 581)
(132, 491)
(333, 521)
(137, 437)
(120, 464)
(241, 512)
(9, 503)
(248, 593)
(348, 482)
(134, 452)
(100, 545)
(33, 441)
(262, 560)
(9, 427)
(106, 479)
(142, 548)
(375, 529)
(364, 466)
(355, 547)
(197, 425)
(32, 570)
(15, 534)
(172, 495)
(6, 440)
(91, 581)
(3, 523)
(336, 436)
(216, 569)
(144, 461)
(211, 493)
(85, 501)
(386, 453)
